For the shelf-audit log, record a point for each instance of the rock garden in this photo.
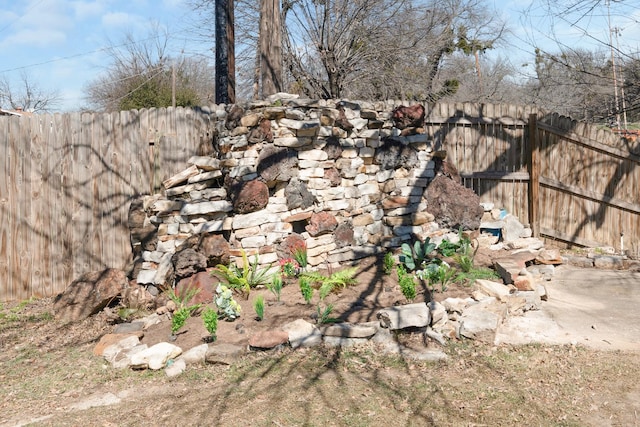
(411, 301)
(309, 223)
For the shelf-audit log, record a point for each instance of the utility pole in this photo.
(624, 103)
(173, 84)
(613, 66)
(476, 53)
(225, 53)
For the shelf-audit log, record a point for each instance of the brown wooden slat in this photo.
(469, 121)
(589, 195)
(548, 232)
(534, 172)
(590, 143)
(7, 216)
(496, 175)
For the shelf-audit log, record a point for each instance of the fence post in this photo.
(534, 175)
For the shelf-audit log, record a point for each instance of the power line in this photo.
(120, 98)
(10, 24)
(103, 49)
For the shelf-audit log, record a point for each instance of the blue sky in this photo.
(60, 44)
(585, 24)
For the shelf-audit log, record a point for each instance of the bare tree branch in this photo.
(27, 95)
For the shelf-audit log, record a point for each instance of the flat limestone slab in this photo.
(405, 316)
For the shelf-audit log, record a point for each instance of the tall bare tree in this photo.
(27, 95)
(246, 52)
(593, 78)
(140, 75)
(395, 47)
(270, 47)
(363, 48)
(498, 82)
(576, 83)
(225, 52)
(631, 87)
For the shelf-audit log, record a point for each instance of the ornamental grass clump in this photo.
(275, 286)
(299, 254)
(258, 307)
(245, 278)
(324, 315)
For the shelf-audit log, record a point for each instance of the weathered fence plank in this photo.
(6, 222)
(67, 183)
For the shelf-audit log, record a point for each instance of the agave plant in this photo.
(245, 278)
(416, 256)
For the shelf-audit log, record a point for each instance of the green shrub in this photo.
(388, 263)
(179, 318)
(438, 272)
(289, 267)
(210, 319)
(447, 248)
(182, 311)
(407, 283)
(306, 290)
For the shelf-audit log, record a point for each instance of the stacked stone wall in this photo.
(344, 176)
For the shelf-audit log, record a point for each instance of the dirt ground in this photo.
(355, 304)
(50, 376)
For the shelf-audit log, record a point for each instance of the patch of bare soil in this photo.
(355, 304)
(50, 377)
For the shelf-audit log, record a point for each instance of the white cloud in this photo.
(43, 37)
(7, 17)
(38, 24)
(88, 9)
(49, 14)
(119, 19)
(173, 3)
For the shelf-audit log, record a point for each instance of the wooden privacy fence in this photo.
(68, 179)
(67, 182)
(584, 184)
(572, 182)
(488, 145)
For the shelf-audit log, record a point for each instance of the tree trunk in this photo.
(270, 47)
(225, 53)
